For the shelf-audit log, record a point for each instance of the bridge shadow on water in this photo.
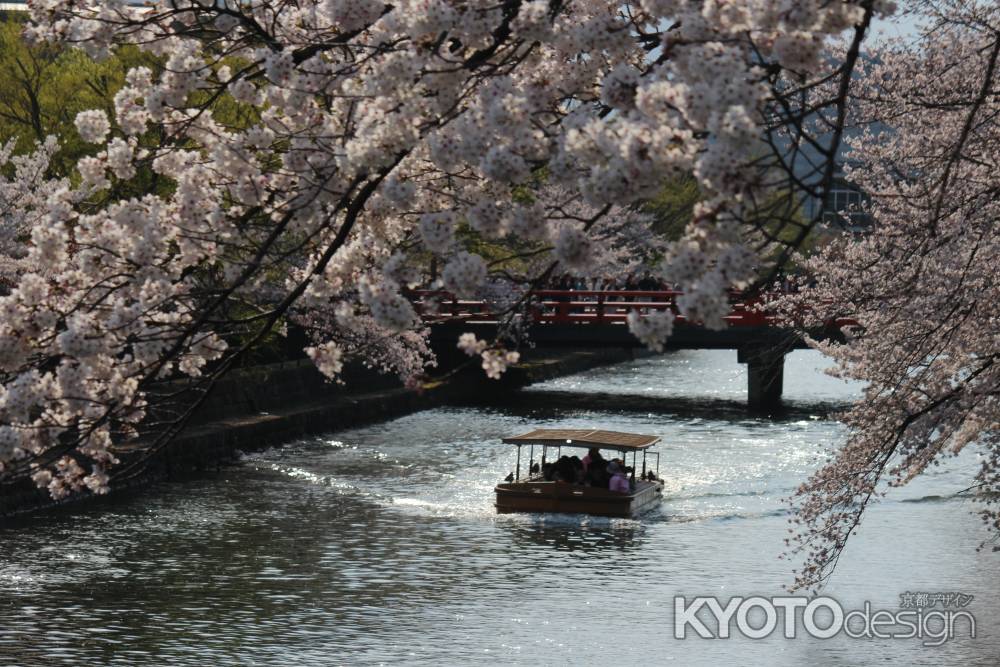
(529, 402)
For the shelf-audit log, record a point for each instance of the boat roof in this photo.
(584, 437)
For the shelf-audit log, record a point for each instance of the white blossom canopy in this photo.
(301, 161)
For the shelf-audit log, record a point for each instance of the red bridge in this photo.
(581, 318)
(588, 307)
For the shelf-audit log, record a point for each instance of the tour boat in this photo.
(533, 493)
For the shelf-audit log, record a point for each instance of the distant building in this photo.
(843, 208)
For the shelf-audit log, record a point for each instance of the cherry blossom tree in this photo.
(923, 284)
(358, 129)
(20, 196)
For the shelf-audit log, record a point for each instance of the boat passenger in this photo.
(618, 482)
(593, 456)
(565, 472)
(597, 476)
(563, 464)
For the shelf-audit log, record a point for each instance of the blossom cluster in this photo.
(93, 126)
(921, 285)
(20, 196)
(653, 329)
(495, 360)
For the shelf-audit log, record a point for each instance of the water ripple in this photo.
(381, 545)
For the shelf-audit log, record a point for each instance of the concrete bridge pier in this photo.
(765, 374)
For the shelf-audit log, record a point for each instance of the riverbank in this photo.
(269, 405)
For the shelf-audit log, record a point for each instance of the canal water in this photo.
(380, 545)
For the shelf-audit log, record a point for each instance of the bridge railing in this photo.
(580, 307)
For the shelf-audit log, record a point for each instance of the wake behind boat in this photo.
(588, 485)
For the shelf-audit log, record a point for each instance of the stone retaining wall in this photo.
(266, 406)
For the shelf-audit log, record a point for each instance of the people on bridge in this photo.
(649, 284)
(644, 281)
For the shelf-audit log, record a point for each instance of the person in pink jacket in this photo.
(619, 481)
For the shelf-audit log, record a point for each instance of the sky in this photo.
(904, 26)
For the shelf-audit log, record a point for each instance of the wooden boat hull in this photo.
(560, 497)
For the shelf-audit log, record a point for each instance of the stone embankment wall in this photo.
(265, 406)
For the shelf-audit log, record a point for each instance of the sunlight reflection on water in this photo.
(381, 545)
